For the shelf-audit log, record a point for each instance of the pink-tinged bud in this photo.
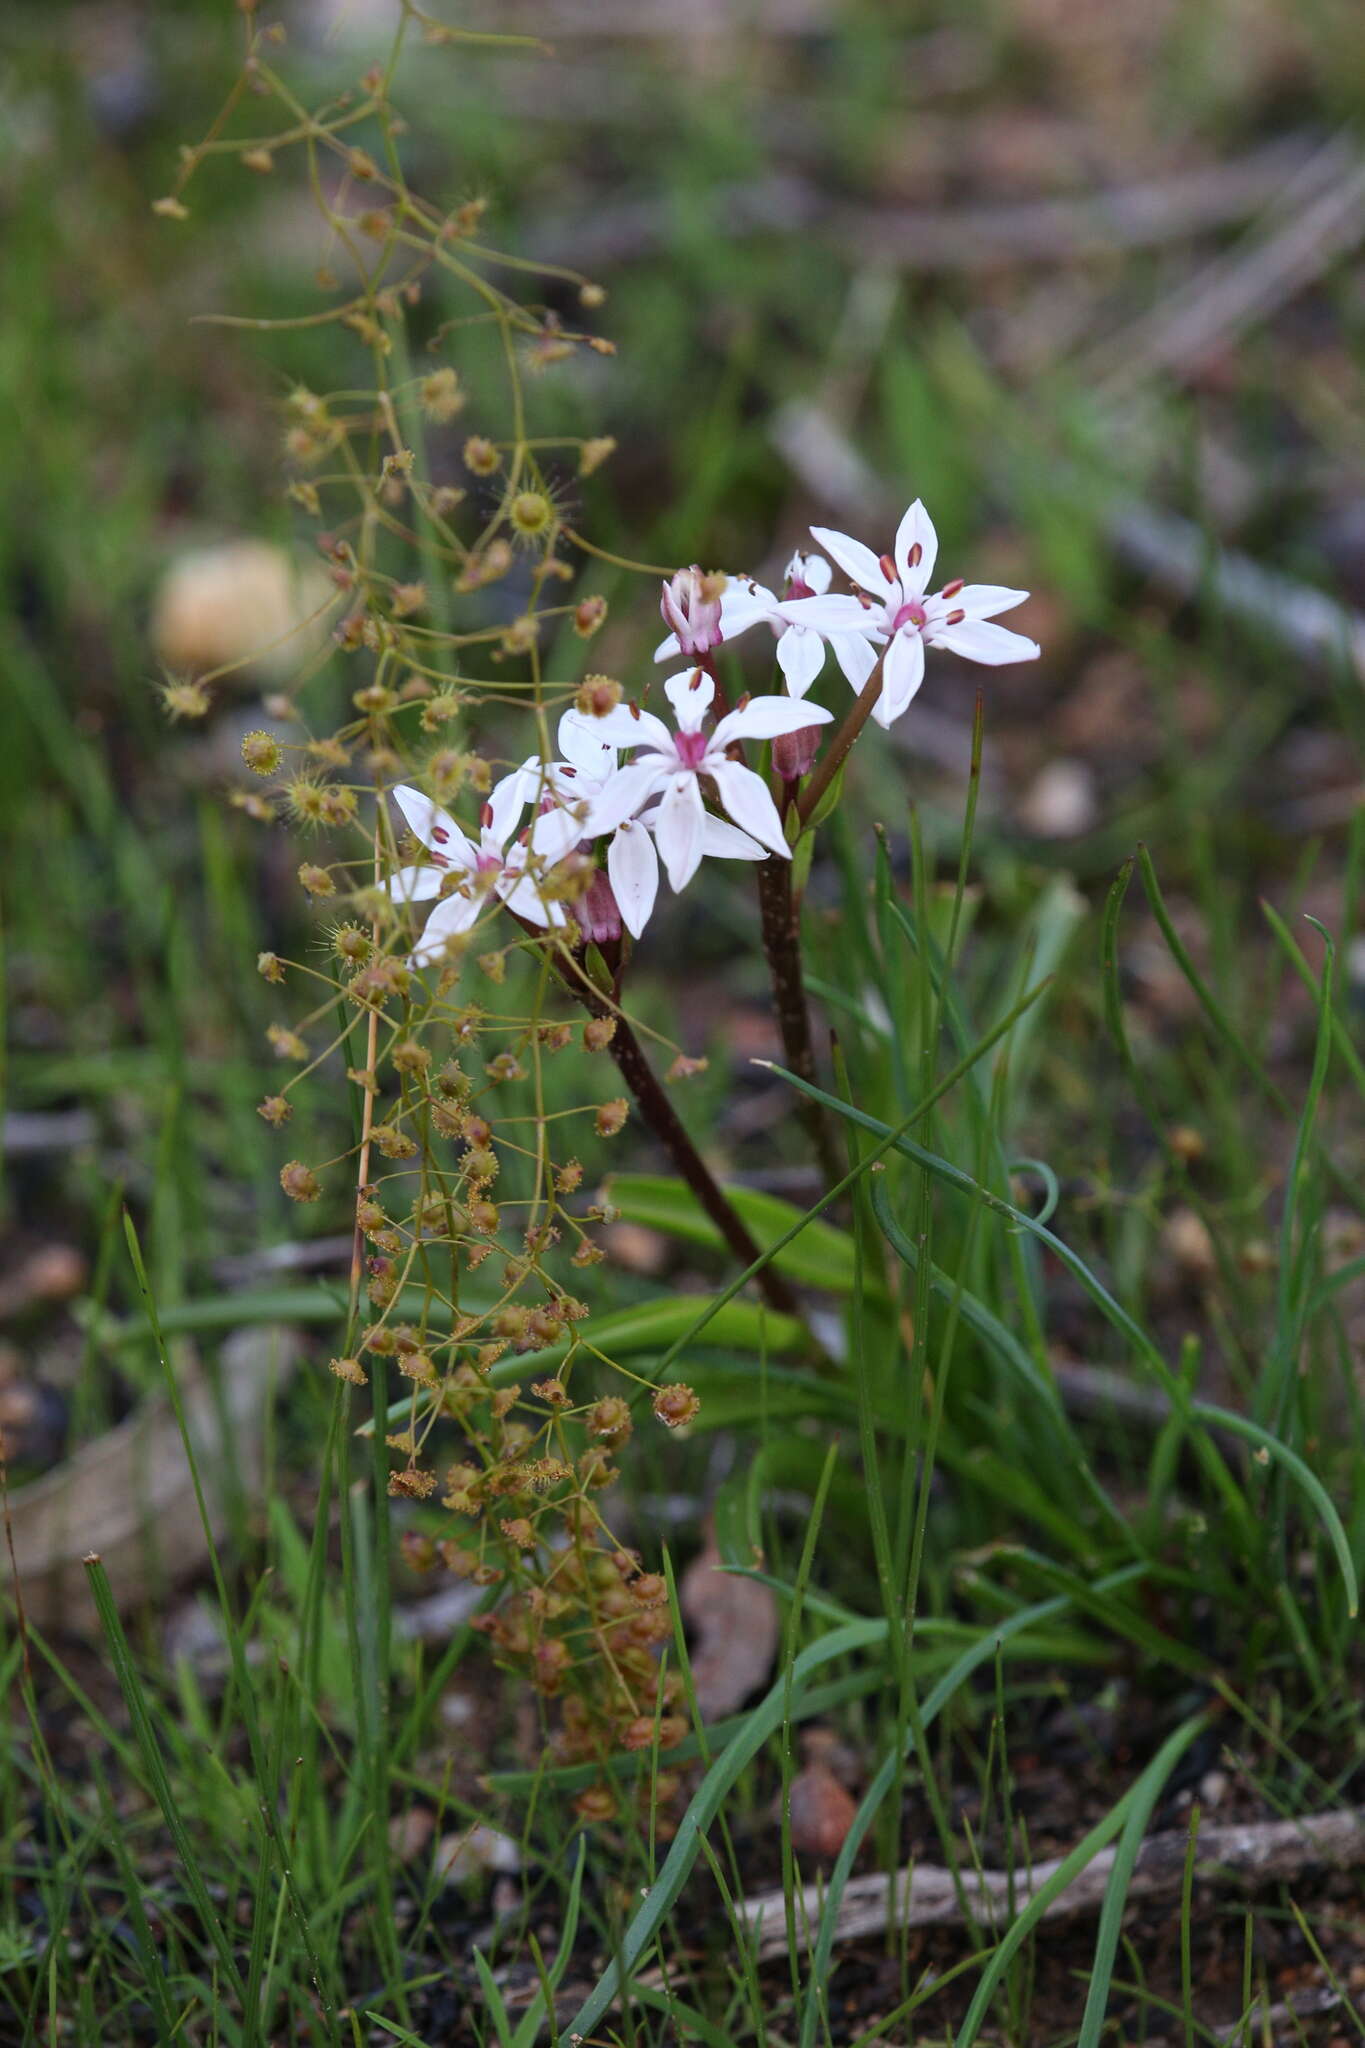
(690, 605)
(598, 912)
(794, 752)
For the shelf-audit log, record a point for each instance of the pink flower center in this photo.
(692, 749)
(911, 614)
(488, 863)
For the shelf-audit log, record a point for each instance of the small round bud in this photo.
(442, 397)
(610, 1420)
(588, 616)
(351, 1370)
(186, 699)
(611, 1117)
(270, 967)
(597, 1804)
(299, 1182)
(480, 455)
(262, 752)
(676, 1405)
(597, 695)
(275, 1110)
(598, 1034)
(592, 295)
(530, 513)
(316, 880)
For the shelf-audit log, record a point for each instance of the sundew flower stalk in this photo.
(490, 835)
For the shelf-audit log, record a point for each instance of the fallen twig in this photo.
(925, 1895)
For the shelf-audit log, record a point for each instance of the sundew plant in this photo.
(489, 829)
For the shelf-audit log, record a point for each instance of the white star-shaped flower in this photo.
(899, 614)
(671, 767)
(583, 776)
(501, 863)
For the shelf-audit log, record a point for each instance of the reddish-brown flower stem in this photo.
(668, 1127)
(844, 736)
(782, 949)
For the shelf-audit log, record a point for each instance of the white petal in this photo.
(833, 614)
(453, 915)
(855, 560)
(416, 885)
(690, 694)
(745, 796)
(815, 573)
(628, 727)
(679, 829)
(916, 530)
(429, 823)
(669, 649)
(721, 840)
(763, 718)
(744, 604)
(623, 793)
(552, 835)
(800, 656)
(584, 747)
(980, 600)
(902, 674)
(977, 641)
(856, 656)
(521, 893)
(508, 799)
(633, 870)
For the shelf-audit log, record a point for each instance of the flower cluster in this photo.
(644, 794)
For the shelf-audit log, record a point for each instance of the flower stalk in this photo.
(668, 1127)
(780, 915)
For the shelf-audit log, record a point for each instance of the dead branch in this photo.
(924, 1895)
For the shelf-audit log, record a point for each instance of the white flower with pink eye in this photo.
(745, 602)
(672, 766)
(583, 777)
(900, 614)
(464, 874)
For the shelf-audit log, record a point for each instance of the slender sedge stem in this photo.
(669, 1129)
(844, 736)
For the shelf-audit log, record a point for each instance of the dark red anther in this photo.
(951, 589)
(486, 816)
(888, 568)
(439, 833)
(915, 556)
(955, 618)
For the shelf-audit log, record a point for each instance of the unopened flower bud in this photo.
(351, 1370)
(676, 1405)
(270, 967)
(316, 880)
(480, 455)
(598, 1033)
(610, 1419)
(794, 752)
(441, 395)
(299, 1182)
(597, 695)
(690, 606)
(589, 616)
(262, 752)
(599, 914)
(275, 1110)
(611, 1117)
(598, 1803)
